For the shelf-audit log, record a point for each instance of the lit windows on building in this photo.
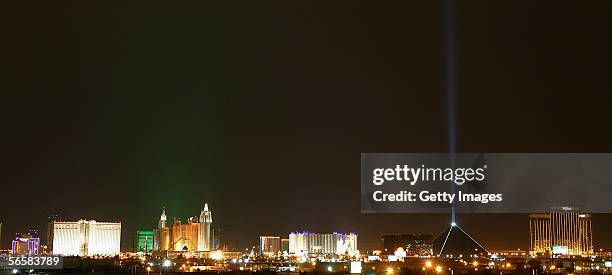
(185, 236)
(161, 235)
(269, 245)
(204, 234)
(413, 244)
(302, 243)
(86, 238)
(195, 236)
(561, 233)
(25, 245)
(144, 241)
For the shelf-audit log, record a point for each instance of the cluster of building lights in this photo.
(429, 265)
(333, 252)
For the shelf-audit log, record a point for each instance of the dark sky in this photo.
(112, 110)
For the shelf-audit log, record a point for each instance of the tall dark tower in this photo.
(50, 227)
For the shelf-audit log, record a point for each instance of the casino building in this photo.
(204, 234)
(454, 242)
(86, 238)
(144, 241)
(561, 233)
(185, 236)
(304, 243)
(25, 244)
(269, 245)
(195, 236)
(161, 235)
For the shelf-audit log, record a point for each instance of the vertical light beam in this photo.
(451, 84)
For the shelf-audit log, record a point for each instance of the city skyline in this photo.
(128, 241)
(112, 118)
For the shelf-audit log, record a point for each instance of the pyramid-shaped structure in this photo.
(454, 242)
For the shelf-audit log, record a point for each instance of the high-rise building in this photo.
(156, 239)
(269, 245)
(204, 234)
(162, 219)
(144, 241)
(165, 236)
(51, 219)
(298, 243)
(25, 244)
(192, 233)
(177, 241)
(301, 243)
(0, 235)
(161, 235)
(285, 245)
(185, 236)
(86, 238)
(194, 236)
(561, 233)
(216, 238)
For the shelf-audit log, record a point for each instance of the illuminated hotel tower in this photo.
(562, 233)
(162, 219)
(86, 238)
(302, 243)
(164, 232)
(204, 240)
(269, 245)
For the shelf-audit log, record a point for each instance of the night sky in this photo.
(112, 110)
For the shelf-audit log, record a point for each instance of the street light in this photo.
(438, 269)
